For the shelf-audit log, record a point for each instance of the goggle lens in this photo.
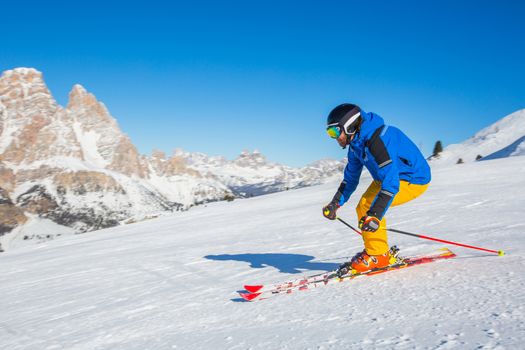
(334, 132)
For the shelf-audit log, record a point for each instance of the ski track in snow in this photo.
(171, 283)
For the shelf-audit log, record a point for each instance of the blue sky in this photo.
(220, 77)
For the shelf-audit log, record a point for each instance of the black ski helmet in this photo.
(346, 116)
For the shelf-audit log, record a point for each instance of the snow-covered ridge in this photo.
(252, 174)
(489, 142)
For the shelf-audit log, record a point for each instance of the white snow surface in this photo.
(492, 139)
(37, 230)
(170, 283)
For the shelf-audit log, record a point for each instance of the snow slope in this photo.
(517, 148)
(504, 138)
(171, 283)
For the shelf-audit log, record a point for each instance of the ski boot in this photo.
(362, 262)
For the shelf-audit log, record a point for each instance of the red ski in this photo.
(261, 292)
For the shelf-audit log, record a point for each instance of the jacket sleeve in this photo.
(388, 176)
(351, 179)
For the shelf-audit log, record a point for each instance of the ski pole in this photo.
(347, 224)
(499, 252)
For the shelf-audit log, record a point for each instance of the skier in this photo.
(400, 173)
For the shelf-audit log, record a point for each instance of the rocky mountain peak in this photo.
(23, 88)
(80, 98)
(23, 76)
(91, 112)
(254, 159)
(103, 143)
(27, 110)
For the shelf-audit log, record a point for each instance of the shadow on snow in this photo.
(286, 263)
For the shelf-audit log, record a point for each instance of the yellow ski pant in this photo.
(376, 242)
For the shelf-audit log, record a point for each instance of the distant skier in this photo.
(400, 173)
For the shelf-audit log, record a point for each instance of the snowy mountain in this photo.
(251, 174)
(172, 282)
(72, 166)
(517, 148)
(504, 138)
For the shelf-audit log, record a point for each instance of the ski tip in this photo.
(253, 289)
(249, 296)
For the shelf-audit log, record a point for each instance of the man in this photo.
(400, 173)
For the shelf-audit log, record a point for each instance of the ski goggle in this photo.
(334, 131)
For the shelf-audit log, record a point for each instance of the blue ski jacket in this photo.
(389, 155)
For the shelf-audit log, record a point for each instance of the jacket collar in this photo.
(371, 122)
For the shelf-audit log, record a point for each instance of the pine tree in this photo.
(228, 197)
(438, 148)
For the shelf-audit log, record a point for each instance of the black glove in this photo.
(330, 210)
(369, 223)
